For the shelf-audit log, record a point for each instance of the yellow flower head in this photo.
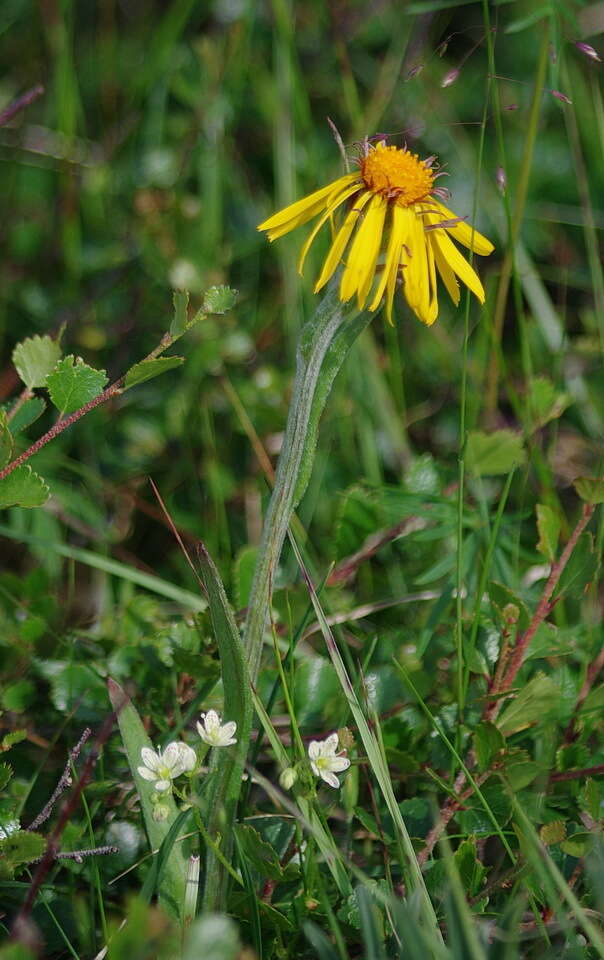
(393, 208)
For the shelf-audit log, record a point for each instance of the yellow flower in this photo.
(394, 209)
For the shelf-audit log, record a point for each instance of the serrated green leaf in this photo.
(180, 299)
(147, 369)
(23, 846)
(6, 440)
(27, 414)
(35, 358)
(259, 854)
(6, 772)
(23, 488)
(73, 383)
(590, 489)
(548, 525)
(519, 769)
(533, 703)
(554, 832)
(219, 299)
(581, 569)
(489, 454)
(10, 739)
(488, 742)
(545, 402)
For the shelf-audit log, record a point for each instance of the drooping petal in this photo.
(446, 274)
(458, 264)
(433, 305)
(302, 210)
(398, 236)
(333, 203)
(417, 283)
(360, 267)
(464, 234)
(340, 240)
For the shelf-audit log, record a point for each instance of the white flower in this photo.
(325, 760)
(212, 731)
(167, 766)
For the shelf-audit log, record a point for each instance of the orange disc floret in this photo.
(396, 174)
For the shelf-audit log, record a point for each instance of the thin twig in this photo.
(20, 104)
(65, 781)
(166, 341)
(596, 771)
(78, 855)
(448, 811)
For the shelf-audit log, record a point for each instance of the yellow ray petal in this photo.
(417, 283)
(398, 235)
(302, 210)
(463, 233)
(368, 266)
(433, 305)
(446, 274)
(333, 203)
(364, 249)
(340, 240)
(457, 263)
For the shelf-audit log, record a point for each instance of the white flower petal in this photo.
(330, 778)
(146, 774)
(339, 763)
(150, 758)
(331, 744)
(211, 721)
(162, 785)
(171, 755)
(228, 729)
(314, 749)
(188, 757)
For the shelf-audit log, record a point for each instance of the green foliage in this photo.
(148, 369)
(73, 383)
(548, 526)
(6, 440)
(35, 358)
(219, 299)
(490, 454)
(590, 489)
(24, 488)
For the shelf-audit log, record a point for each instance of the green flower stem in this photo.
(323, 344)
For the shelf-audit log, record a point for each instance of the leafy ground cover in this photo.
(437, 602)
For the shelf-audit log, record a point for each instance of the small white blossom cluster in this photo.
(162, 767)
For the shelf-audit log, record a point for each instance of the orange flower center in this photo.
(397, 175)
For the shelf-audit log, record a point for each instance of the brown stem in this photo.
(544, 606)
(20, 103)
(577, 774)
(166, 341)
(449, 810)
(592, 672)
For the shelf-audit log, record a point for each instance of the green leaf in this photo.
(580, 570)
(545, 402)
(488, 742)
(147, 369)
(548, 525)
(519, 769)
(23, 488)
(6, 440)
(501, 597)
(219, 299)
(577, 845)
(471, 871)
(489, 454)
(23, 846)
(35, 358)
(590, 489)
(259, 854)
(180, 299)
(6, 772)
(134, 738)
(226, 766)
(73, 383)
(554, 832)
(10, 739)
(533, 703)
(27, 414)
